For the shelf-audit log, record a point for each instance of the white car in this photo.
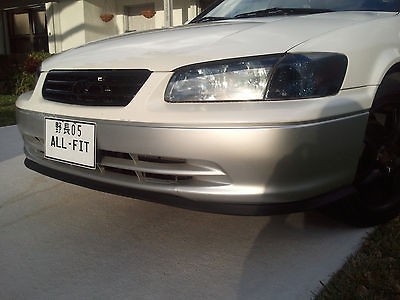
(255, 107)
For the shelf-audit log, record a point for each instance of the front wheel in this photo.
(378, 176)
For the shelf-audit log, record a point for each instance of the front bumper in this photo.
(241, 165)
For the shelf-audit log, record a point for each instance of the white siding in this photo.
(95, 28)
(72, 23)
(122, 20)
(184, 10)
(66, 25)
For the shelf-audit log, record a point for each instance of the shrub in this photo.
(25, 78)
(8, 70)
(24, 82)
(33, 60)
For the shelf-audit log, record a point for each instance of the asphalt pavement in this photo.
(60, 241)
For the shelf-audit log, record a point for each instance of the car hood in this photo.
(168, 49)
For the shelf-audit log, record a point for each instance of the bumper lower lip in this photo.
(255, 166)
(242, 209)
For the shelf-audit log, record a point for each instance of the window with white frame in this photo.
(140, 17)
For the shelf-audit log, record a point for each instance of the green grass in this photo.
(7, 110)
(373, 272)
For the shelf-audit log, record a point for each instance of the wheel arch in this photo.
(389, 86)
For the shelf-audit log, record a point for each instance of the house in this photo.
(56, 26)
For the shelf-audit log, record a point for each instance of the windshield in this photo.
(257, 8)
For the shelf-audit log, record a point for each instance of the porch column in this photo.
(168, 13)
(4, 47)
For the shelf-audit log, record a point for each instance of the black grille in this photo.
(94, 87)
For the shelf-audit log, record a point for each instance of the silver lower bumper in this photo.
(240, 165)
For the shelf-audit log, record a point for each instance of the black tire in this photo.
(377, 179)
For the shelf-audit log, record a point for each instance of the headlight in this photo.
(272, 77)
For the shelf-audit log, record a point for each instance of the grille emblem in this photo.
(84, 87)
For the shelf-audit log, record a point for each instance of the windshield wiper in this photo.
(210, 19)
(280, 11)
(275, 11)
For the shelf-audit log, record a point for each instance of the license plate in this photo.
(72, 142)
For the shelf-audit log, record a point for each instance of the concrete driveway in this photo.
(66, 242)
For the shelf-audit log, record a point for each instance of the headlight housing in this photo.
(270, 77)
